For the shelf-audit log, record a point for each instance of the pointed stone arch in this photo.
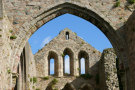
(57, 9)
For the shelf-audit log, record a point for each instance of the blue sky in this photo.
(84, 29)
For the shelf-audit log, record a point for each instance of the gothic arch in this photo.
(53, 55)
(68, 51)
(85, 55)
(51, 12)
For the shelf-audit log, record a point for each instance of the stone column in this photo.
(60, 66)
(76, 65)
(46, 67)
(108, 71)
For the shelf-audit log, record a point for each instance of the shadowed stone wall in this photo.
(130, 39)
(108, 71)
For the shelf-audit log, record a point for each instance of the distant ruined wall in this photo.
(75, 47)
(108, 71)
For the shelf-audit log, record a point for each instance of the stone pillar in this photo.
(108, 71)
(46, 67)
(76, 66)
(60, 66)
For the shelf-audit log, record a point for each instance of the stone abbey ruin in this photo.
(114, 69)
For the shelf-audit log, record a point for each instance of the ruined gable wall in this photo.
(58, 45)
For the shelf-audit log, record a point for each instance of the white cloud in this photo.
(45, 41)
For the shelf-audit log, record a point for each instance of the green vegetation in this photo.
(75, 33)
(33, 87)
(86, 76)
(54, 81)
(55, 89)
(117, 4)
(0, 35)
(131, 1)
(78, 69)
(62, 55)
(34, 79)
(66, 74)
(8, 71)
(120, 18)
(31, 80)
(37, 89)
(10, 31)
(46, 78)
(13, 37)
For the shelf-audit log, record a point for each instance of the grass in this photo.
(34, 79)
(62, 55)
(46, 78)
(131, 1)
(13, 37)
(117, 4)
(8, 71)
(10, 31)
(37, 89)
(54, 81)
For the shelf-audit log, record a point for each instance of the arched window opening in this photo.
(83, 62)
(67, 35)
(52, 63)
(82, 65)
(51, 67)
(67, 65)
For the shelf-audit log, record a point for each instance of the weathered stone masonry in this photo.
(60, 46)
(25, 17)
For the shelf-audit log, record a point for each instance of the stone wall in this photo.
(75, 47)
(28, 16)
(130, 39)
(30, 67)
(5, 51)
(108, 71)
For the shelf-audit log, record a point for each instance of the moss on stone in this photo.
(13, 37)
(131, 1)
(45, 78)
(8, 71)
(117, 4)
(10, 31)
